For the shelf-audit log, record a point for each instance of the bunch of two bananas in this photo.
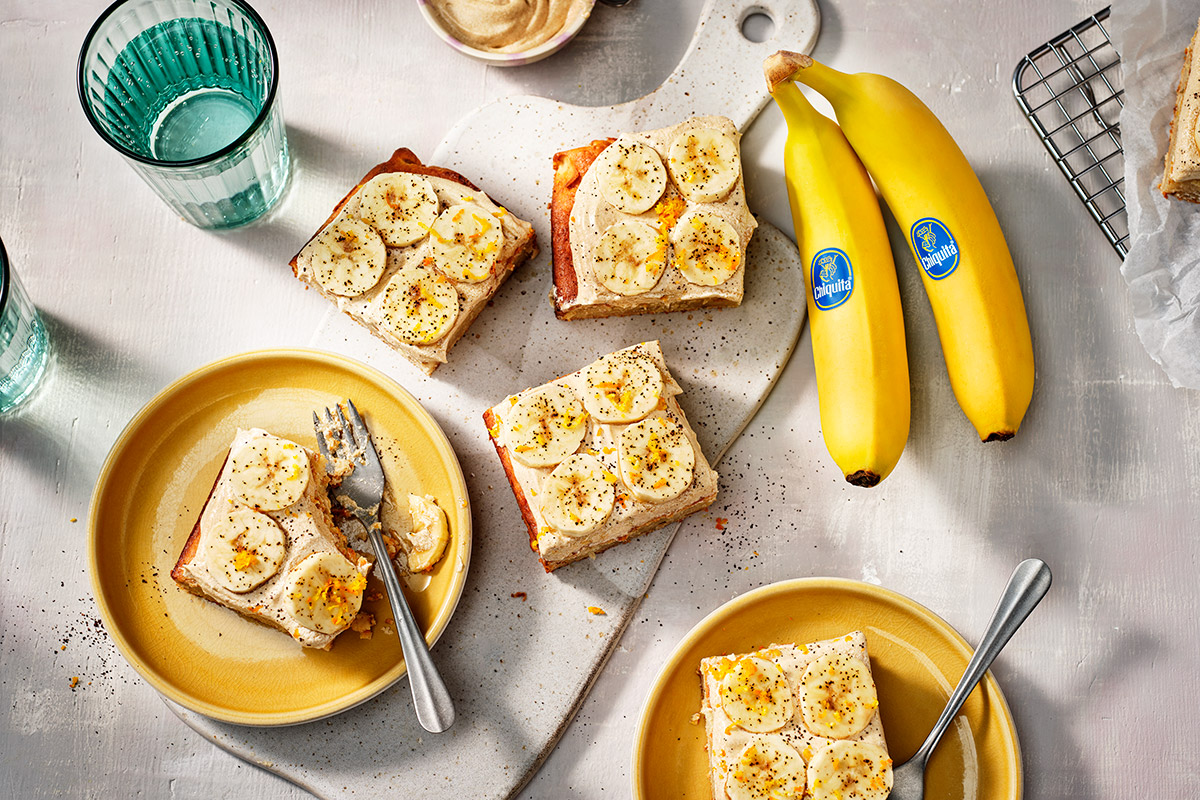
(857, 325)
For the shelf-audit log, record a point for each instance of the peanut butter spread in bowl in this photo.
(526, 29)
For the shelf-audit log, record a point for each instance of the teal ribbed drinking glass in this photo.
(24, 342)
(186, 90)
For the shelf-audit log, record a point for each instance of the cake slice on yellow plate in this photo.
(266, 547)
(795, 721)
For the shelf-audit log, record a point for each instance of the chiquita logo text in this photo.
(832, 278)
(935, 247)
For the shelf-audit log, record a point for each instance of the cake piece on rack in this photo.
(600, 456)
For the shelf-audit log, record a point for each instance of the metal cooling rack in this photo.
(1070, 91)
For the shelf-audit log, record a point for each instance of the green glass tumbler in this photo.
(24, 342)
(186, 90)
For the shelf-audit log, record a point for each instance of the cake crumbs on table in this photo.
(519, 595)
(597, 610)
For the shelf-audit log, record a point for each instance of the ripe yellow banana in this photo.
(853, 300)
(952, 229)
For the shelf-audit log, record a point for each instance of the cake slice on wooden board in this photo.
(414, 253)
(266, 547)
(795, 720)
(600, 456)
(650, 221)
(1181, 178)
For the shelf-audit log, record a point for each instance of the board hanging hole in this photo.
(757, 24)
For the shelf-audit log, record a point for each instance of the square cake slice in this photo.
(1181, 178)
(650, 221)
(414, 253)
(795, 721)
(600, 456)
(266, 547)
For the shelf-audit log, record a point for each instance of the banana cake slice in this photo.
(600, 456)
(1181, 177)
(650, 221)
(795, 721)
(414, 253)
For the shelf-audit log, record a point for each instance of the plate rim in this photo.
(146, 412)
(734, 604)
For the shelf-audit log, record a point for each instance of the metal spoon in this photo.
(1024, 591)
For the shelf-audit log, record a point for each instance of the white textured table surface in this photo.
(1100, 482)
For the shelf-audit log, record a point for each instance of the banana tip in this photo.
(864, 478)
(999, 436)
(779, 67)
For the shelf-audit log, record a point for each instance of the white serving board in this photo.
(519, 668)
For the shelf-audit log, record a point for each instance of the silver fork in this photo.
(349, 439)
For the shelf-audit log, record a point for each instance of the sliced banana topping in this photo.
(418, 305)
(426, 541)
(544, 426)
(242, 548)
(656, 459)
(837, 696)
(465, 241)
(400, 205)
(621, 387)
(704, 164)
(578, 496)
(850, 771)
(632, 176)
(756, 695)
(268, 473)
(629, 258)
(324, 592)
(768, 768)
(707, 248)
(348, 257)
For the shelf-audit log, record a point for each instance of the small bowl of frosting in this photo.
(506, 33)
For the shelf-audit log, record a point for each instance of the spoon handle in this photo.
(1025, 589)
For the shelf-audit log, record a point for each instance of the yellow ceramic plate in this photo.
(916, 659)
(156, 480)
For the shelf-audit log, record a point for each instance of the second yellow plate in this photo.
(916, 659)
(156, 480)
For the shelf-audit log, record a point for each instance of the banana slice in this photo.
(465, 241)
(419, 305)
(544, 426)
(704, 164)
(850, 771)
(756, 695)
(348, 257)
(324, 592)
(656, 459)
(621, 387)
(837, 696)
(268, 473)
(632, 176)
(768, 768)
(578, 496)
(707, 248)
(426, 541)
(629, 259)
(400, 205)
(242, 548)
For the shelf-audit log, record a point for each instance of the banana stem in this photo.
(792, 102)
(785, 66)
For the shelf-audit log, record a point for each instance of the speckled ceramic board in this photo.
(524, 649)
(158, 477)
(916, 659)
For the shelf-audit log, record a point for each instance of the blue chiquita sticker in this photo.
(935, 246)
(832, 278)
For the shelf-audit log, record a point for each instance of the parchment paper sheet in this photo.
(1164, 253)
